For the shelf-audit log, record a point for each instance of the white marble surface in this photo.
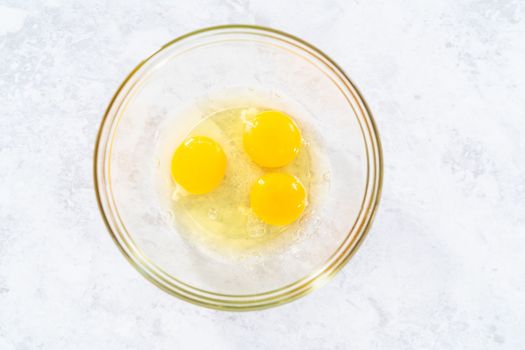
(444, 264)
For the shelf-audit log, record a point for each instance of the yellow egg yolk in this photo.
(272, 139)
(277, 198)
(198, 165)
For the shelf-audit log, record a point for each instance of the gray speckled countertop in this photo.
(443, 266)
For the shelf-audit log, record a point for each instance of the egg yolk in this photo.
(272, 139)
(277, 198)
(198, 164)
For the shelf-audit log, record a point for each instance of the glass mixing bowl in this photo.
(196, 67)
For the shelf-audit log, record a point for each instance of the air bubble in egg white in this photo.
(213, 214)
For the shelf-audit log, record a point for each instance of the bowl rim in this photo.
(248, 302)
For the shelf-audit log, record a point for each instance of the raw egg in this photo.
(198, 165)
(278, 198)
(272, 139)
